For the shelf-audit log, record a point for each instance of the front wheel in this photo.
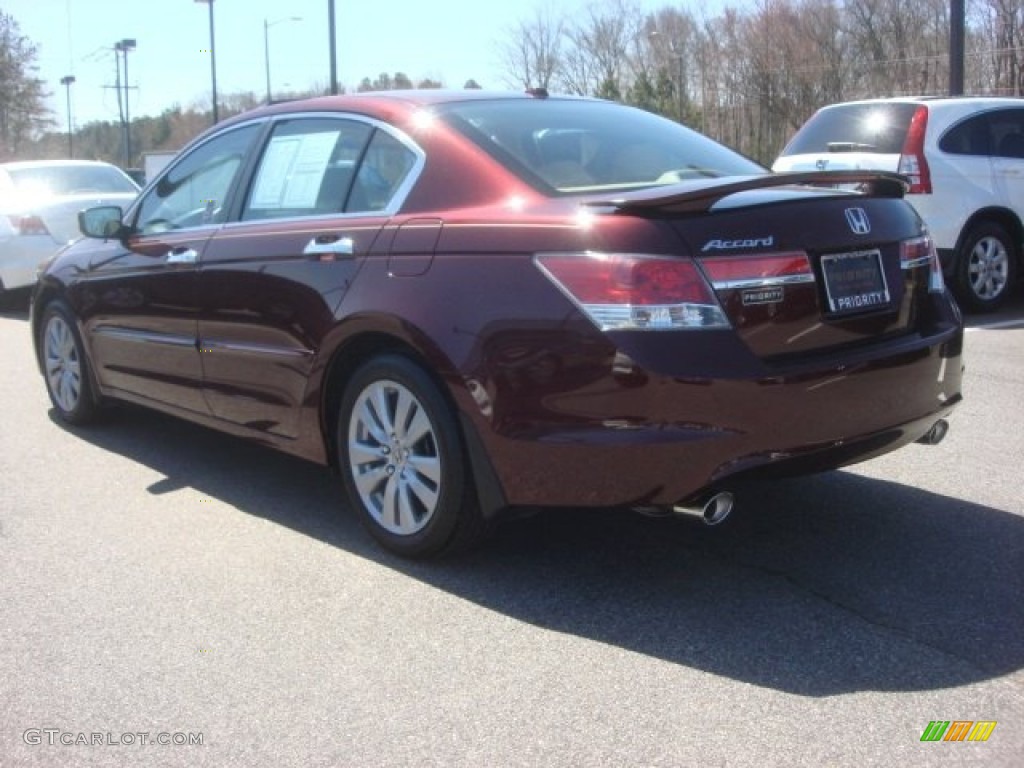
(985, 267)
(65, 366)
(402, 460)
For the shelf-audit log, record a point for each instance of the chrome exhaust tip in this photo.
(936, 434)
(713, 511)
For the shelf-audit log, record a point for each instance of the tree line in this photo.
(750, 78)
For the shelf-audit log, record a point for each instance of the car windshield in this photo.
(46, 180)
(880, 128)
(570, 146)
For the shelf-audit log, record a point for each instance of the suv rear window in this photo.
(880, 128)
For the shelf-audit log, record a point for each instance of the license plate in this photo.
(854, 281)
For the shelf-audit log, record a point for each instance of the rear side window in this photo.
(970, 137)
(879, 128)
(998, 133)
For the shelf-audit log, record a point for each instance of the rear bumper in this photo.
(630, 437)
(21, 257)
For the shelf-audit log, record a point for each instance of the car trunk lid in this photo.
(798, 269)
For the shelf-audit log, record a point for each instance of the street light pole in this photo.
(213, 62)
(66, 81)
(266, 46)
(332, 46)
(124, 46)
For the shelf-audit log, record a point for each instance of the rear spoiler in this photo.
(700, 197)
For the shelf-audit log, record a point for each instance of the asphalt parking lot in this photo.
(161, 579)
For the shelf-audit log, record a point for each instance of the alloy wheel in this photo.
(988, 268)
(63, 363)
(394, 458)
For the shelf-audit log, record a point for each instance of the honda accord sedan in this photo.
(473, 304)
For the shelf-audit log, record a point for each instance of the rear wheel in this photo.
(65, 366)
(985, 268)
(402, 460)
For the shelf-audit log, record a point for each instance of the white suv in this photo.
(964, 158)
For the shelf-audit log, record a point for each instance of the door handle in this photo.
(330, 245)
(182, 256)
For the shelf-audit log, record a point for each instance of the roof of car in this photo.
(16, 164)
(387, 102)
(933, 101)
(426, 96)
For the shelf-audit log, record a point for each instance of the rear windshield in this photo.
(70, 179)
(568, 146)
(880, 128)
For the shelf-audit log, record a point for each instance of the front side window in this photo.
(307, 168)
(193, 192)
(1008, 133)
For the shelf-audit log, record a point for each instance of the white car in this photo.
(964, 158)
(39, 205)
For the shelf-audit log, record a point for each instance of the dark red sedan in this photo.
(474, 303)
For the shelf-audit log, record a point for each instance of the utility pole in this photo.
(123, 47)
(66, 81)
(956, 47)
(333, 45)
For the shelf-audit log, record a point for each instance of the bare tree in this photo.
(601, 41)
(1004, 20)
(751, 77)
(532, 50)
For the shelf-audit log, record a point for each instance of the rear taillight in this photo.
(28, 224)
(912, 162)
(635, 292)
(919, 252)
(755, 270)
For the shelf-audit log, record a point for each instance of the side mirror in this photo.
(102, 222)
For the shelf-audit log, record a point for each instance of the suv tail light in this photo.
(912, 161)
(28, 224)
(920, 251)
(621, 292)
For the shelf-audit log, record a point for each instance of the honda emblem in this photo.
(858, 221)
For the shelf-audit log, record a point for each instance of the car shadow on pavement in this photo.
(818, 586)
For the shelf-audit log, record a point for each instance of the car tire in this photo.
(403, 462)
(66, 366)
(985, 267)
